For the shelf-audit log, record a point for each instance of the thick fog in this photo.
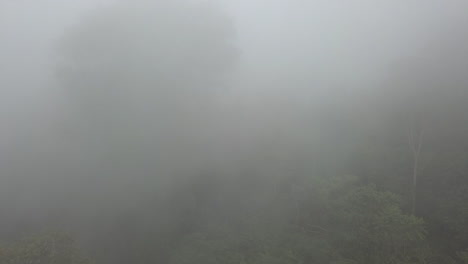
(114, 111)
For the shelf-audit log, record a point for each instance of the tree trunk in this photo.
(415, 143)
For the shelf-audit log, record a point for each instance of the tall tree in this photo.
(142, 77)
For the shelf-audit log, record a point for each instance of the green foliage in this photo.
(370, 227)
(225, 245)
(463, 256)
(52, 248)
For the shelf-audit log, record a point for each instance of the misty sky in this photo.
(345, 44)
(291, 51)
(364, 36)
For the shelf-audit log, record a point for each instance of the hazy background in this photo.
(110, 108)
